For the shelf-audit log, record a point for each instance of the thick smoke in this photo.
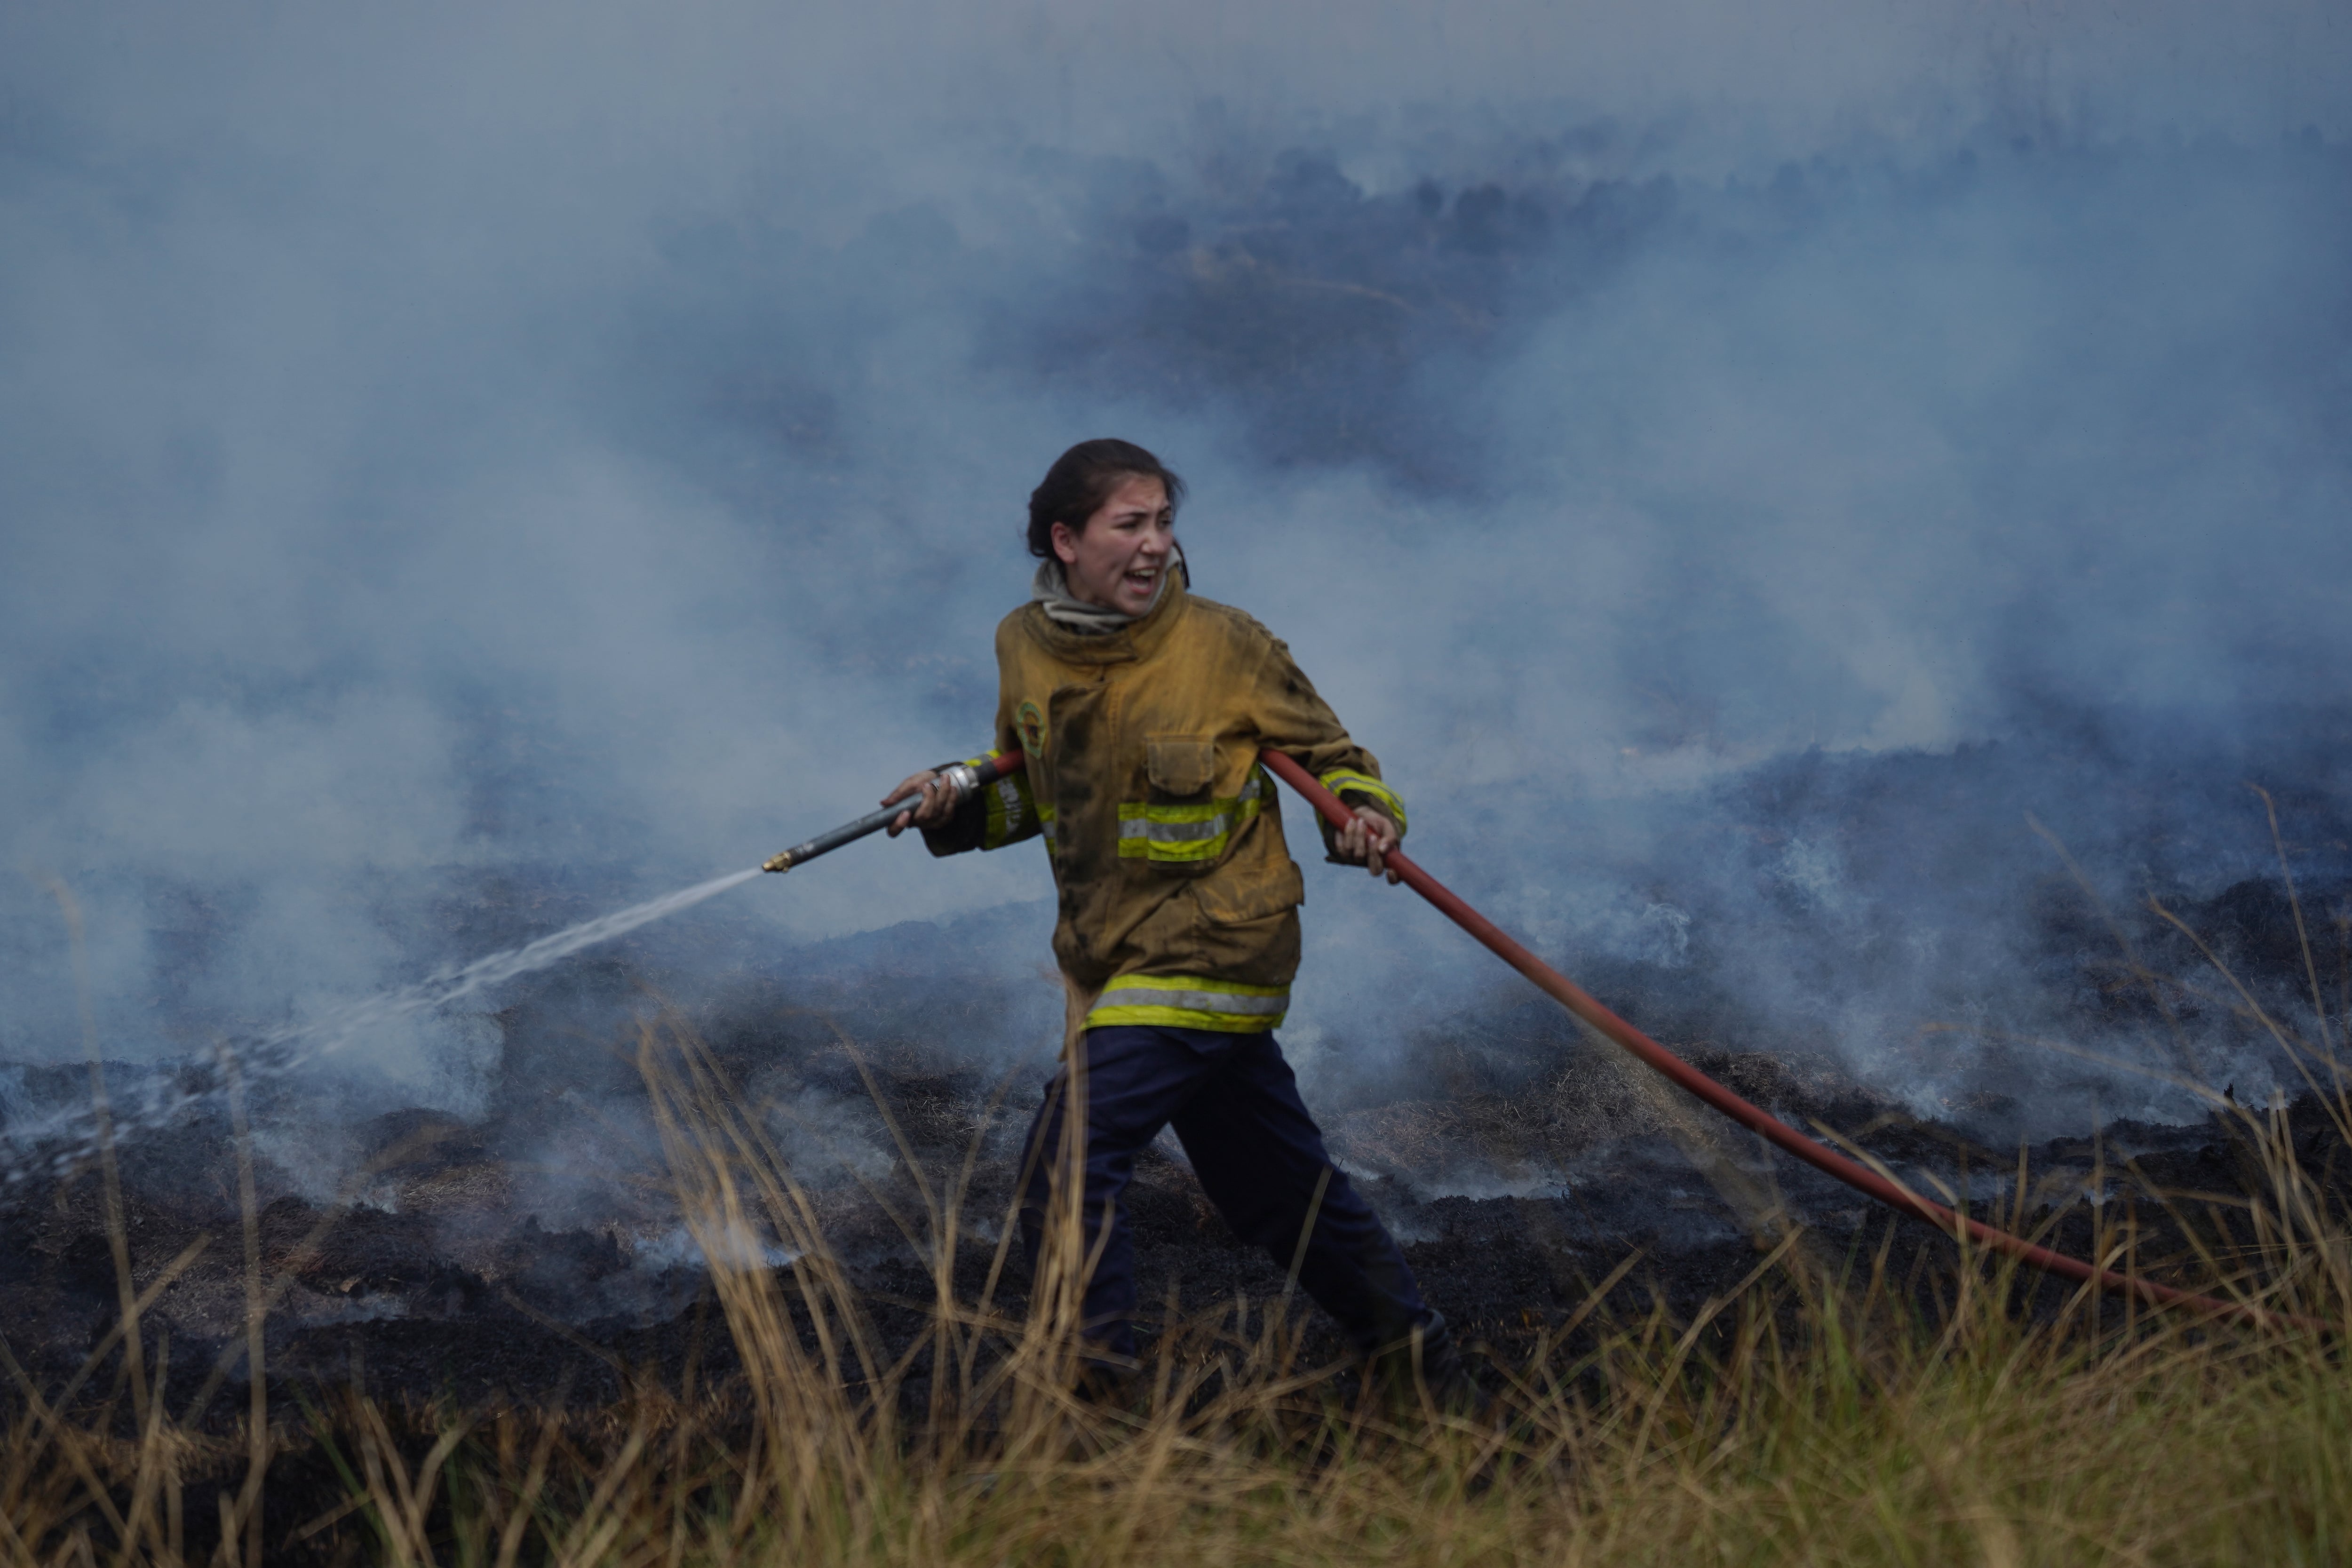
(466, 468)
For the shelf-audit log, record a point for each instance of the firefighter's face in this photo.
(1118, 558)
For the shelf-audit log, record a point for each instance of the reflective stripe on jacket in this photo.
(1179, 900)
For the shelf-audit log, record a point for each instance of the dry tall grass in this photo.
(1805, 1418)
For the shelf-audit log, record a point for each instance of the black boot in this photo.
(1428, 1370)
(1107, 1387)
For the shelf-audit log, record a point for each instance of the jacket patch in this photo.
(1031, 725)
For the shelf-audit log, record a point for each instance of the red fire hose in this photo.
(1574, 997)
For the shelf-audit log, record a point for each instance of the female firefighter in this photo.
(1142, 711)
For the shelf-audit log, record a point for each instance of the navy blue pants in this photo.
(1235, 1107)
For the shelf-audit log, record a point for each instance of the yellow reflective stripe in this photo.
(1010, 807)
(1183, 1018)
(1340, 780)
(1144, 849)
(1193, 983)
(1133, 810)
(1190, 1001)
(1195, 831)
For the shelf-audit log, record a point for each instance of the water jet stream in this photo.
(72, 1136)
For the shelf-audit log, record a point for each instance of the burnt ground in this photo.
(534, 1256)
(469, 1263)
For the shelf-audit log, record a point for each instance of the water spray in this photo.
(72, 1136)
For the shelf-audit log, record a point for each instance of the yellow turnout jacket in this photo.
(1179, 898)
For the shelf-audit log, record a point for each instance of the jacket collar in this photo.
(1138, 639)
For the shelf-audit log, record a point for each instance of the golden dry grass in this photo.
(1803, 1419)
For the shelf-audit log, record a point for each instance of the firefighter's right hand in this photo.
(937, 805)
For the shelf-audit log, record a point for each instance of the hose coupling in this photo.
(961, 780)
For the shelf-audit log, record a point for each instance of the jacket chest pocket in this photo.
(1181, 827)
(1180, 766)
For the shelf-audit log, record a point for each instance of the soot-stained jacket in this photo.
(1179, 898)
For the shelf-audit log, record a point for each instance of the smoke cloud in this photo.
(465, 468)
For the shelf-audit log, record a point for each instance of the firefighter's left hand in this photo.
(1367, 840)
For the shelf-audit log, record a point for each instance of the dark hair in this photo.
(1082, 479)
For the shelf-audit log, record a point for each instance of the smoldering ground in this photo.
(464, 472)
